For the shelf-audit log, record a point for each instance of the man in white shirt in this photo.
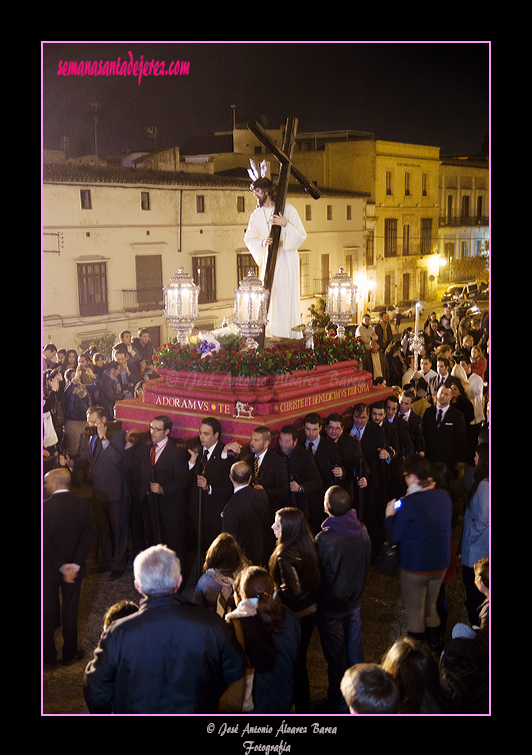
(477, 386)
(425, 378)
(365, 331)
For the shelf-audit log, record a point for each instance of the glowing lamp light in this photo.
(181, 304)
(340, 305)
(251, 308)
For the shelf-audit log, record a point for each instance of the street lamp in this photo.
(251, 308)
(340, 304)
(181, 304)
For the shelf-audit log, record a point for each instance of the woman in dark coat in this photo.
(271, 640)
(294, 568)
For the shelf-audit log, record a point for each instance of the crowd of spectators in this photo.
(290, 527)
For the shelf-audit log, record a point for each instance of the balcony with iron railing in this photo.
(463, 221)
(320, 286)
(143, 299)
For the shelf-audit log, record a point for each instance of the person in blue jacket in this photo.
(420, 525)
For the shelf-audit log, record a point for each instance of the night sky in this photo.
(435, 94)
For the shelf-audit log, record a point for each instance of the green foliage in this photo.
(317, 311)
(104, 344)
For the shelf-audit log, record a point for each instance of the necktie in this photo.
(256, 466)
(205, 458)
(311, 448)
(152, 455)
(439, 418)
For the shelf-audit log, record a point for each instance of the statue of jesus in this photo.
(284, 310)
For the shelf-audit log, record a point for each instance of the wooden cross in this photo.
(284, 156)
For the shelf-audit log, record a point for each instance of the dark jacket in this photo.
(170, 657)
(106, 466)
(475, 649)
(273, 657)
(245, 516)
(344, 551)
(422, 529)
(302, 469)
(293, 589)
(446, 443)
(67, 528)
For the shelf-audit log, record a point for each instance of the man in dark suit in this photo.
(245, 515)
(372, 501)
(413, 421)
(67, 528)
(163, 477)
(353, 462)
(404, 446)
(269, 472)
(304, 477)
(328, 461)
(103, 456)
(444, 431)
(210, 469)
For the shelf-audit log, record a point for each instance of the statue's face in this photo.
(260, 195)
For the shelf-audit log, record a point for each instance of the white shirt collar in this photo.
(210, 450)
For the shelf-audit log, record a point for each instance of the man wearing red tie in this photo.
(164, 476)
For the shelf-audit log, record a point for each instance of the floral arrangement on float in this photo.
(224, 350)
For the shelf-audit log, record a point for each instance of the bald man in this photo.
(245, 515)
(67, 537)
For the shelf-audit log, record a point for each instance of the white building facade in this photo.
(113, 237)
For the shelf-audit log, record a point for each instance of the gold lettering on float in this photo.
(193, 404)
(323, 398)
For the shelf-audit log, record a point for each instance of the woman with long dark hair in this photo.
(271, 639)
(294, 568)
(223, 562)
(416, 674)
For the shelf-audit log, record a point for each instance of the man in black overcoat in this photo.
(210, 469)
(68, 531)
(444, 431)
(245, 515)
(304, 478)
(328, 461)
(353, 462)
(269, 472)
(163, 478)
(372, 501)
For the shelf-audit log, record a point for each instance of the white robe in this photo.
(284, 310)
